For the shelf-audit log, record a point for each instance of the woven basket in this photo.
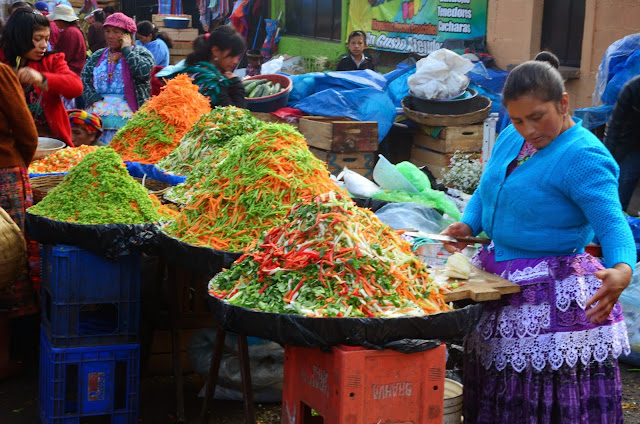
(42, 185)
(13, 254)
(447, 120)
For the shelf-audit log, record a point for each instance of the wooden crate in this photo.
(175, 58)
(434, 161)
(181, 48)
(451, 139)
(160, 360)
(339, 134)
(360, 162)
(188, 34)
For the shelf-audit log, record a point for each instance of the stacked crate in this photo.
(89, 351)
(436, 152)
(182, 38)
(342, 142)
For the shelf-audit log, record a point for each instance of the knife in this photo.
(449, 239)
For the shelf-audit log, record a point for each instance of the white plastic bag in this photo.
(273, 66)
(294, 65)
(630, 301)
(440, 75)
(356, 184)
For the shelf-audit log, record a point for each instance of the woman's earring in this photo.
(215, 58)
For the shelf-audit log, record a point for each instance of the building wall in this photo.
(514, 28)
(308, 47)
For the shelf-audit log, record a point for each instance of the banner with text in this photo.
(419, 26)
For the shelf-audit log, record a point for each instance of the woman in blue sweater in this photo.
(549, 353)
(157, 42)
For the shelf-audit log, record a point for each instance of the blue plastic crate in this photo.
(88, 384)
(88, 299)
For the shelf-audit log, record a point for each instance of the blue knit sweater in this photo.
(158, 49)
(552, 203)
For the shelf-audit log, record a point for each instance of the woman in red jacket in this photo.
(44, 76)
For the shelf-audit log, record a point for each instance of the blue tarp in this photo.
(140, 170)
(361, 95)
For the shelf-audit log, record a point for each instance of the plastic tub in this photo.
(46, 146)
(275, 101)
(176, 23)
(458, 105)
(452, 413)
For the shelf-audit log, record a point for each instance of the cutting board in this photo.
(481, 286)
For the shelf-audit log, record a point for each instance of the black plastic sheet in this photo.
(380, 333)
(199, 259)
(111, 241)
(373, 204)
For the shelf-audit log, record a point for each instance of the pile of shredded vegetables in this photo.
(61, 161)
(211, 133)
(331, 259)
(99, 190)
(247, 189)
(156, 128)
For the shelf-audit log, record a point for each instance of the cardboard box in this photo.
(451, 139)
(339, 134)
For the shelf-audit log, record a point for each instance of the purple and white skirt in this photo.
(534, 357)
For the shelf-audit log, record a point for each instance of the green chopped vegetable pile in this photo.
(99, 190)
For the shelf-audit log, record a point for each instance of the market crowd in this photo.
(79, 79)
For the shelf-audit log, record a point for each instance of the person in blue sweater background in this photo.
(157, 42)
(549, 353)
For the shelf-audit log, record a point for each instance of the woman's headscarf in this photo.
(87, 120)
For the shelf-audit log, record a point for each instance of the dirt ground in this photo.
(18, 401)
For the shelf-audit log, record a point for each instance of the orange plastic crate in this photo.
(355, 385)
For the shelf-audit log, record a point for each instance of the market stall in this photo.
(287, 255)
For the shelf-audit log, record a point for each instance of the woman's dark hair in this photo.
(357, 33)
(19, 5)
(550, 58)
(109, 10)
(535, 78)
(223, 37)
(146, 28)
(98, 16)
(17, 36)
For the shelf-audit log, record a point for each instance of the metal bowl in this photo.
(47, 146)
(456, 106)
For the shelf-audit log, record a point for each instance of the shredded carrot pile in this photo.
(156, 129)
(330, 258)
(233, 198)
(61, 161)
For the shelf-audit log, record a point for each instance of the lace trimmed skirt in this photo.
(534, 357)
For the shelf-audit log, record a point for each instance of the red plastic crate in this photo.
(354, 385)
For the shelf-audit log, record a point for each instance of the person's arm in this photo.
(18, 115)
(623, 129)
(592, 184)
(61, 80)
(89, 94)
(234, 95)
(140, 61)
(342, 64)
(163, 55)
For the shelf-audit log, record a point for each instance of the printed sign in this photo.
(419, 26)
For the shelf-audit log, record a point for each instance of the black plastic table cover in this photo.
(199, 259)
(298, 330)
(111, 240)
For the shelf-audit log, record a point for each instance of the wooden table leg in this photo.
(175, 310)
(212, 378)
(245, 373)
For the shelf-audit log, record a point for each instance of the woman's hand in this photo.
(614, 281)
(28, 76)
(457, 229)
(125, 41)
